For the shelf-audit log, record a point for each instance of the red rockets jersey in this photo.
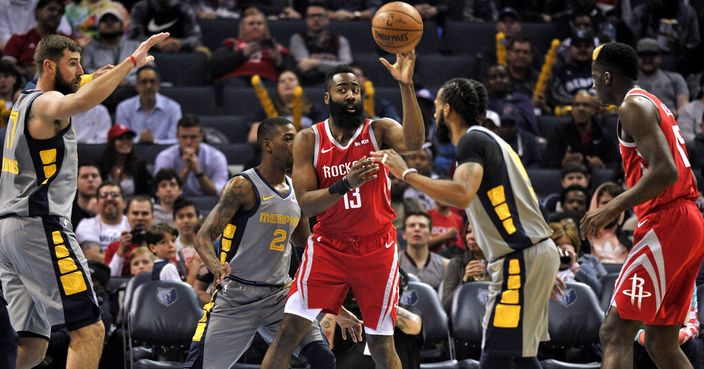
(362, 211)
(635, 166)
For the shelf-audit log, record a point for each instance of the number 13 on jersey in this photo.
(353, 199)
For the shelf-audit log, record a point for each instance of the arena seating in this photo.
(184, 69)
(234, 127)
(607, 282)
(193, 100)
(468, 307)
(435, 326)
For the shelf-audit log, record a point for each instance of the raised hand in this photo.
(141, 54)
(392, 160)
(362, 171)
(402, 70)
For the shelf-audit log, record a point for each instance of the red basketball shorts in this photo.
(655, 284)
(330, 266)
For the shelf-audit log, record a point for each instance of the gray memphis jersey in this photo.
(256, 243)
(505, 214)
(38, 176)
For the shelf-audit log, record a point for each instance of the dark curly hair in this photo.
(462, 96)
(615, 55)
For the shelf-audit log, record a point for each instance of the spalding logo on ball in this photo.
(397, 27)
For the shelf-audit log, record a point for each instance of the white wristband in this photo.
(407, 172)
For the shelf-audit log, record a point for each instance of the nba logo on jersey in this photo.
(166, 296)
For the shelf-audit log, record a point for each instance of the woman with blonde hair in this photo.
(586, 268)
(610, 244)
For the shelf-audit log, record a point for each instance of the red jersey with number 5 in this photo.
(635, 166)
(362, 211)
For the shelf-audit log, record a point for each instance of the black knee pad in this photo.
(319, 355)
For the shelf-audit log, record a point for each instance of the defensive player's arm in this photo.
(299, 238)
(237, 194)
(314, 200)
(53, 105)
(408, 322)
(640, 120)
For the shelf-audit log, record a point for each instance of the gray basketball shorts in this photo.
(230, 323)
(44, 275)
(516, 318)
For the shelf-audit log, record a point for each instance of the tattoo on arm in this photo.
(230, 202)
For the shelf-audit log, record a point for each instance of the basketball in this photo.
(397, 27)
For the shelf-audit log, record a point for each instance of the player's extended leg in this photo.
(664, 348)
(31, 351)
(8, 339)
(616, 336)
(86, 346)
(383, 351)
(293, 329)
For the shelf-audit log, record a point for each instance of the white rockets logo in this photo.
(636, 291)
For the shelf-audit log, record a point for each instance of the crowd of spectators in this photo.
(137, 214)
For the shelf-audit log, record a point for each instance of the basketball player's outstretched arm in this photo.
(311, 198)
(53, 105)
(640, 121)
(411, 135)
(237, 194)
(458, 192)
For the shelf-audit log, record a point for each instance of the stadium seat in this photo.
(574, 323)
(430, 42)
(282, 30)
(540, 35)
(241, 101)
(434, 70)
(148, 152)
(237, 154)
(545, 181)
(601, 175)
(608, 283)
(163, 316)
(375, 71)
(89, 152)
(548, 123)
(468, 364)
(457, 40)
(204, 204)
(234, 127)
(132, 285)
(358, 34)
(435, 326)
(193, 100)
(183, 69)
(468, 307)
(392, 94)
(556, 364)
(215, 31)
(613, 268)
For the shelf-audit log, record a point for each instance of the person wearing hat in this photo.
(119, 162)
(575, 73)
(509, 22)
(110, 45)
(669, 86)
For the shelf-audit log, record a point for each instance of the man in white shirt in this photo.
(106, 227)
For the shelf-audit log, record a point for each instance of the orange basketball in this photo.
(397, 27)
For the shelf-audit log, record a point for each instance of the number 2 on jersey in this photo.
(355, 202)
(279, 241)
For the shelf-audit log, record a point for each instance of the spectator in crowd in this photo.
(673, 24)
(509, 22)
(167, 185)
(519, 64)
(140, 216)
(151, 114)
(580, 21)
(317, 50)
(202, 168)
(469, 267)
(20, 16)
(573, 75)
(214, 9)
(160, 239)
(150, 17)
(283, 101)
(186, 217)
(473, 10)
(669, 86)
(141, 261)
(85, 204)
(20, 47)
(382, 107)
(422, 161)
(347, 10)
(11, 81)
(689, 118)
(611, 244)
(504, 101)
(583, 139)
(446, 234)
(523, 142)
(574, 204)
(84, 18)
(573, 173)
(92, 126)
(108, 224)
(575, 266)
(273, 9)
(692, 347)
(120, 163)
(436, 10)
(110, 44)
(417, 258)
(253, 52)
(91, 251)
(609, 19)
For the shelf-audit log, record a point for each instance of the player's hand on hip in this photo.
(221, 272)
(595, 220)
(392, 160)
(402, 70)
(141, 55)
(362, 171)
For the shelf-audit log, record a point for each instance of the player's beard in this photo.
(64, 87)
(443, 132)
(343, 118)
